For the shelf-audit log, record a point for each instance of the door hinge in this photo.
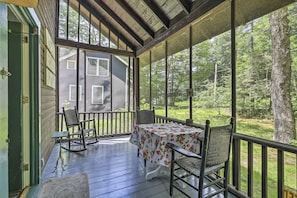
(26, 39)
(26, 167)
(25, 99)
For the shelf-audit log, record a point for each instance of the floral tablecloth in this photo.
(152, 138)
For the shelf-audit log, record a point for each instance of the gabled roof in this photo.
(143, 24)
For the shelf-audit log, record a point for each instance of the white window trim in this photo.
(107, 69)
(97, 70)
(71, 61)
(79, 92)
(97, 66)
(102, 94)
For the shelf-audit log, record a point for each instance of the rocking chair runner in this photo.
(79, 131)
(214, 157)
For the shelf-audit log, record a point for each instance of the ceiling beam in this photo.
(136, 17)
(158, 12)
(195, 14)
(185, 5)
(96, 14)
(120, 21)
(75, 44)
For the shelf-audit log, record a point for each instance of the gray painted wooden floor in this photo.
(113, 169)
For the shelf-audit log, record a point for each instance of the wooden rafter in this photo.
(158, 12)
(196, 13)
(86, 46)
(120, 21)
(136, 17)
(185, 5)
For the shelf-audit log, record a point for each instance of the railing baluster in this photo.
(280, 173)
(116, 123)
(131, 122)
(107, 123)
(103, 124)
(124, 121)
(120, 118)
(264, 171)
(98, 123)
(250, 169)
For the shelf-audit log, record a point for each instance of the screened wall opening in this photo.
(94, 81)
(200, 76)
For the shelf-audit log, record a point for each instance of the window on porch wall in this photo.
(178, 77)
(97, 94)
(77, 24)
(158, 79)
(73, 23)
(62, 32)
(68, 68)
(255, 93)
(84, 25)
(144, 81)
(96, 71)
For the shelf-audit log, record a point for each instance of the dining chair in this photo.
(207, 166)
(145, 117)
(81, 133)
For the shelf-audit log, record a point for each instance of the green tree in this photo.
(284, 121)
(253, 67)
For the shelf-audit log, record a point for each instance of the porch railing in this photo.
(107, 123)
(275, 165)
(259, 168)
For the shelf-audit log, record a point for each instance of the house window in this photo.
(97, 66)
(97, 94)
(71, 64)
(103, 67)
(72, 92)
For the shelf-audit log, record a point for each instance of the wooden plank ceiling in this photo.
(143, 24)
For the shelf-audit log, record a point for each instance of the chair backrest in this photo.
(71, 117)
(217, 144)
(145, 116)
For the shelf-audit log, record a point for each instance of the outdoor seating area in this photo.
(148, 98)
(115, 172)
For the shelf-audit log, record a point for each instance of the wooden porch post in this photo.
(236, 143)
(136, 83)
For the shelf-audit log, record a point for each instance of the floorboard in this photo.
(113, 169)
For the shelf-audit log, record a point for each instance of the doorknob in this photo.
(4, 73)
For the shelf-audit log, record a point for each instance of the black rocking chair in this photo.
(81, 133)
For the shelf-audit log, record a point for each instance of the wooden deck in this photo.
(113, 169)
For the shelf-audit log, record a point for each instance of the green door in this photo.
(15, 135)
(3, 103)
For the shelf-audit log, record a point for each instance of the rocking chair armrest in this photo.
(182, 151)
(91, 120)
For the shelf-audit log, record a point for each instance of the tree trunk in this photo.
(284, 121)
